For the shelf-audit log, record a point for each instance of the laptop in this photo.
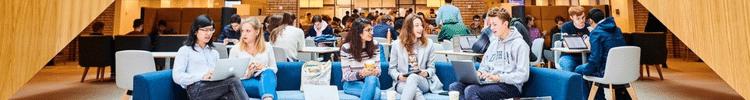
(467, 73)
(575, 42)
(226, 68)
(464, 43)
(322, 92)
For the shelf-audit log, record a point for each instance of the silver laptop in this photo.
(322, 92)
(575, 42)
(466, 42)
(467, 73)
(226, 68)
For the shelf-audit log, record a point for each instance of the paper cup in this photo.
(391, 95)
(453, 95)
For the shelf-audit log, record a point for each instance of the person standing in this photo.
(448, 12)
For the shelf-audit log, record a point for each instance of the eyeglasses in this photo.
(206, 29)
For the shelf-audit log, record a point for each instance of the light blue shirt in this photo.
(448, 12)
(190, 65)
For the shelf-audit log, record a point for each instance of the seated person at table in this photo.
(231, 32)
(195, 62)
(413, 52)
(286, 36)
(605, 35)
(318, 28)
(262, 82)
(381, 30)
(161, 28)
(506, 62)
(531, 26)
(137, 27)
(360, 62)
(569, 61)
(97, 27)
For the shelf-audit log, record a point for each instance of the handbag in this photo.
(315, 73)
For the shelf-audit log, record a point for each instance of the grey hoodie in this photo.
(507, 59)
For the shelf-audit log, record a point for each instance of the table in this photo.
(167, 57)
(451, 52)
(582, 51)
(317, 50)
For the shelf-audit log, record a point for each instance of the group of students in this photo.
(505, 62)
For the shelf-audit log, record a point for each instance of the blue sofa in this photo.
(561, 85)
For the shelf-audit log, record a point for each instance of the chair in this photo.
(280, 54)
(309, 42)
(557, 44)
(536, 49)
(386, 49)
(439, 57)
(132, 62)
(223, 52)
(95, 51)
(621, 67)
(380, 39)
(433, 37)
(654, 51)
(169, 43)
(131, 42)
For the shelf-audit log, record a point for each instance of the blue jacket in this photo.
(381, 30)
(605, 36)
(228, 33)
(311, 31)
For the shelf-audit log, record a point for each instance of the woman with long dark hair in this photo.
(360, 62)
(195, 62)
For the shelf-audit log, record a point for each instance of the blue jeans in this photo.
(262, 86)
(569, 62)
(367, 90)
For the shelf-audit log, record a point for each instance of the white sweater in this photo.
(292, 39)
(266, 57)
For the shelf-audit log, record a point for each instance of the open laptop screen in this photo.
(467, 41)
(575, 42)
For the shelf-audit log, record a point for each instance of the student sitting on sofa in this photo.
(360, 62)
(506, 62)
(262, 80)
(605, 35)
(197, 59)
(413, 52)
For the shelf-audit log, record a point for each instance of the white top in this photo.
(192, 63)
(266, 57)
(292, 39)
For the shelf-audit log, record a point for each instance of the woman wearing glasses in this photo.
(195, 62)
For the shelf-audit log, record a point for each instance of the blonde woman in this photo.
(260, 81)
(412, 62)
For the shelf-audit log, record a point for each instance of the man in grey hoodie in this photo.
(506, 62)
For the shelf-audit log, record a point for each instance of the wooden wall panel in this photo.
(716, 30)
(34, 31)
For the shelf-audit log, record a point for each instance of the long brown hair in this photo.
(355, 40)
(407, 36)
(273, 25)
(259, 41)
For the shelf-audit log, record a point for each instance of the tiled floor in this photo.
(682, 81)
